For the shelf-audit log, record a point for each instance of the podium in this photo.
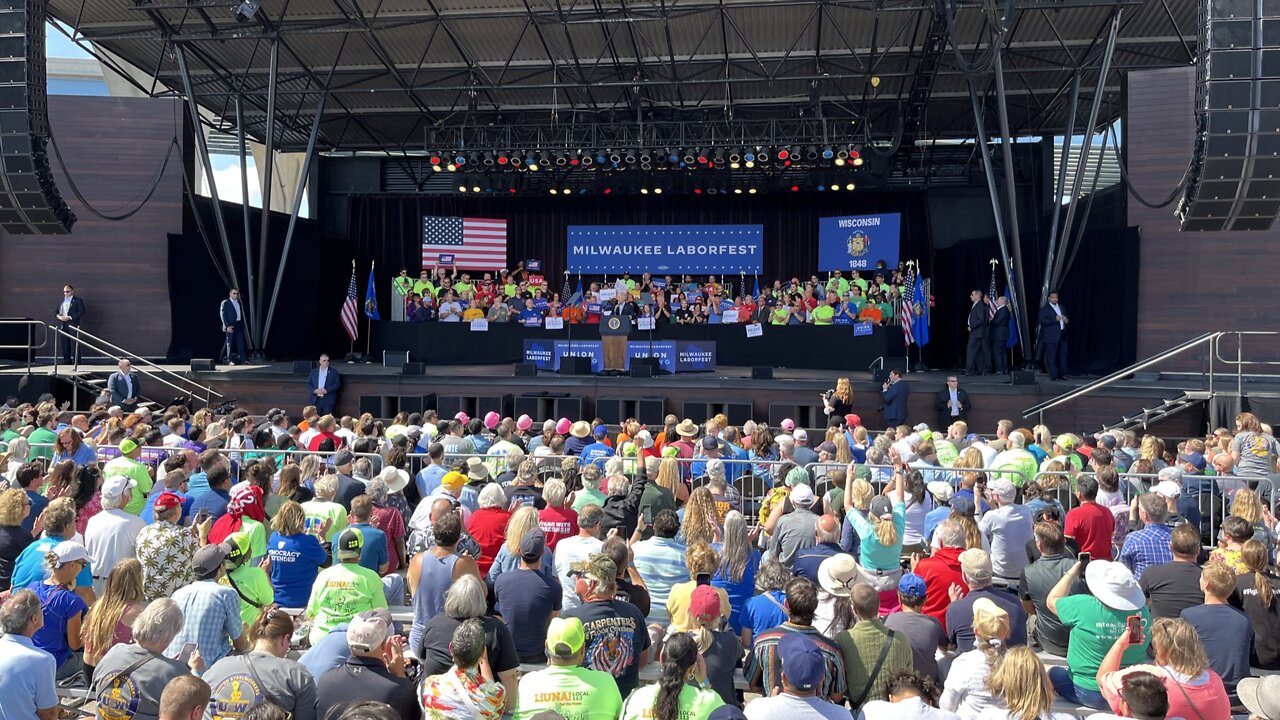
(614, 330)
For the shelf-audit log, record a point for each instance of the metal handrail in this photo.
(31, 344)
(147, 367)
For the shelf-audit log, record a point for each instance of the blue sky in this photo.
(57, 45)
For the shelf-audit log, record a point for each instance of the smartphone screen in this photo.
(1084, 560)
(1135, 629)
(184, 655)
(648, 516)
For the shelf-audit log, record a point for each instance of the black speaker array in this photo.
(1235, 174)
(29, 199)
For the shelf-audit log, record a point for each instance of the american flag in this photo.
(348, 314)
(474, 243)
(991, 295)
(904, 308)
(566, 292)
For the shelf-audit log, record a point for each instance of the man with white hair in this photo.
(142, 665)
(26, 671)
(578, 549)
(1017, 459)
(112, 535)
(557, 521)
(1008, 525)
(797, 529)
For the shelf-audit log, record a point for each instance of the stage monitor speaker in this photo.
(1022, 377)
(1234, 181)
(371, 404)
(641, 369)
(575, 365)
(302, 366)
(447, 406)
(569, 407)
(880, 376)
(29, 200)
(413, 368)
(651, 411)
(526, 369)
(530, 405)
(411, 403)
(203, 365)
(394, 358)
(761, 372)
(612, 410)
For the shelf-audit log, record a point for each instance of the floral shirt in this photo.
(1231, 558)
(165, 551)
(461, 695)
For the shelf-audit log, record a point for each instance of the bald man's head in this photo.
(440, 507)
(828, 529)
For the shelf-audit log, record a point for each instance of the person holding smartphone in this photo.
(1194, 689)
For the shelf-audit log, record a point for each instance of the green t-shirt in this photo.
(947, 453)
(510, 289)
(135, 471)
(463, 287)
(822, 315)
(695, 703)
(587, 496)
(340, 593)
(1094, 628)
(862, 284)
(11, 435)
(779, 316)
(402, 286)
(842, 286)
(252, 583)
(886, 309)
(321, 510)
(43, 436)
(257, 533)
(577, 693)
(1073, 458)
(1019, 460)
(424, 288)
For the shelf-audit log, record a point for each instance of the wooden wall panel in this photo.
(113, 148)
(1194, 282)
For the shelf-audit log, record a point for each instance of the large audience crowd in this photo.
(447, 295)
(181, 565)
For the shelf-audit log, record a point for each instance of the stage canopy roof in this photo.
(415, 75)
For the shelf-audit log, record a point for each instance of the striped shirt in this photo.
(660, 562)
(764, 669)
(1146, 547)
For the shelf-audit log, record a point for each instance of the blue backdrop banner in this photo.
(857, 242)
(673, 355)
(664, 350)
(675, 249)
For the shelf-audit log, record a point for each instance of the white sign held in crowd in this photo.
(479, 326)
(555, 323)
(608, 293)
(730, 316)
(755, 330)
(644, 323)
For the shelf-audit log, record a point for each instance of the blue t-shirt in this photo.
(84, 456)
(933, 519)
(428, 479)
(526, 600)
(329, 653)
(374, 554)
(596, 452)
(29, 567)
(530, 318)
(1221, 629)
(60, 605)
(148, 513)
(295, 562)
(215, 501)
(764, 612)
(198, 484)
(739, 592)
(38, 504)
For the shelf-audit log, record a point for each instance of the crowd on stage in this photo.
(177, 565)
(449, 295)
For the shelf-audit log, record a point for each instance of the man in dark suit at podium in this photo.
(894, 395)
(69, 314)
(1053, 335)
(323, 383)
(233, 326)
(999, 333)
(976, 360)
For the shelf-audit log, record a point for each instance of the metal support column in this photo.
(983, 150)
(297, 206)
(1062, 180)
(1013, 270)
(202, 149)
(252, 300)
(269, 141)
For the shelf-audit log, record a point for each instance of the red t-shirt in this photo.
(489, 527)
(1091, 525)
(314, 445)
(557, 523)
(940, 571)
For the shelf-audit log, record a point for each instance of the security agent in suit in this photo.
(1053, 337)
(323, 384)
(124, 386)
(232, 315)
(999, 333)
(976, 360)
(69, 314)
(894, 395)
(952, 403)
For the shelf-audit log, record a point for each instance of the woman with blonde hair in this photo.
(109, 621)
(15, 506)
(1021, 682)
(701, 561)
(838, 402)
(880, 534)
(967, 692)
(1194, 689)
(295, 554)
(669, 478)
(522, 521)
(843, 455)
(1255, 594)
(1248, 507)
(701, 522)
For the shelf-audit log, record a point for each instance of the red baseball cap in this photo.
(852, 420)
(167, 501)
(704, 604)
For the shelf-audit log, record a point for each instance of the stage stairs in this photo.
(1219, 390)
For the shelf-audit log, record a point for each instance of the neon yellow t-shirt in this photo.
(253, 583)
(320, 510)
(339, 594)
(822, 315)
(574, 692)
(695, 703)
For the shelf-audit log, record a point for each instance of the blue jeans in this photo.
(1068, 690)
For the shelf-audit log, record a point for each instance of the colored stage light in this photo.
(600, 158)
(435, 159)
(828, 153)
(697, 191)
(795, 188)
(783, 154)
(850, 186)
(821, 188)
(749, 156)
(460, 160)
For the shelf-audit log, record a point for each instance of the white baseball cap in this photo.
(1167, 488)
(114, 486)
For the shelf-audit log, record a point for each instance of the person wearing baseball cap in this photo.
(128, 465)
(527, 599)
(803, 670)
(211, 609)
(565, 686)
(112, 535)
(598, 450)
(923, 632)
(797, 529)
(248, 579)
(881, 531)
(617, 639)
(1008, 526)
(345, 589)
(975, 567)
(62, 607)
(1064, 451)
(1095, 621)
(373, 672)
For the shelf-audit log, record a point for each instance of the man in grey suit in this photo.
(124, 386)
